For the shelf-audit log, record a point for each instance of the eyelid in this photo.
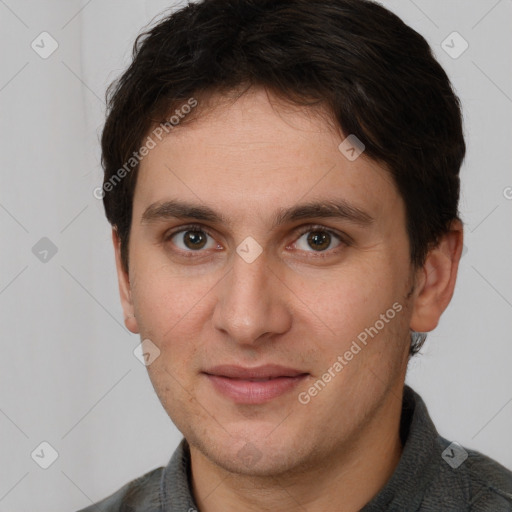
(183, 229)
(188, 227)
(342, 237)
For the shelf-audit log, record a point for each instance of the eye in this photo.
(319, 239)
(191, 239)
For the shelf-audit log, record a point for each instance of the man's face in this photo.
(318, 284)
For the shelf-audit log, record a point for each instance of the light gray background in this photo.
(68, 373)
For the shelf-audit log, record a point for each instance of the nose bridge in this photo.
(249, 306)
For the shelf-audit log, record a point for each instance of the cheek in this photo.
(173, 312)
(348, 300)
(165, 300)
(366, 317)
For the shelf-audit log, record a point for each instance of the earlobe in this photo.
(436, 280)
(125, 292)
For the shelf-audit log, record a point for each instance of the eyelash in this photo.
(344, 241)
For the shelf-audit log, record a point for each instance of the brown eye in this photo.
(194, 239)
(191, 239)
(319, 240)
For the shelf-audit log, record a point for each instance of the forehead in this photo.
(255, 152)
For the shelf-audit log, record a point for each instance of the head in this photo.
(289, 196)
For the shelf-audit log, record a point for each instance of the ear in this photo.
(125, 292)
(435, 281)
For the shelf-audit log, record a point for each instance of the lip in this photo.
(256, 372)
(238, 384)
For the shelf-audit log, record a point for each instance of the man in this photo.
(282, 178)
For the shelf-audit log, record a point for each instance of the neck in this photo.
(351, 477)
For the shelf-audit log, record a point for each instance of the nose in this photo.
(252, 303)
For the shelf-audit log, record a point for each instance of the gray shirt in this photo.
(433, 475)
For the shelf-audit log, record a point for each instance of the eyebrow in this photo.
(340, 209)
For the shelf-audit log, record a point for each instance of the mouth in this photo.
(254, 385)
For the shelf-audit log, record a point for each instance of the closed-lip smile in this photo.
(253, 385)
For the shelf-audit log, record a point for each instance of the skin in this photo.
(293, 305)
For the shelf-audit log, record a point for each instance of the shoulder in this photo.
(469, 477)
(434, 471)
(160, 489)
(490, 482)
(141, 494)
